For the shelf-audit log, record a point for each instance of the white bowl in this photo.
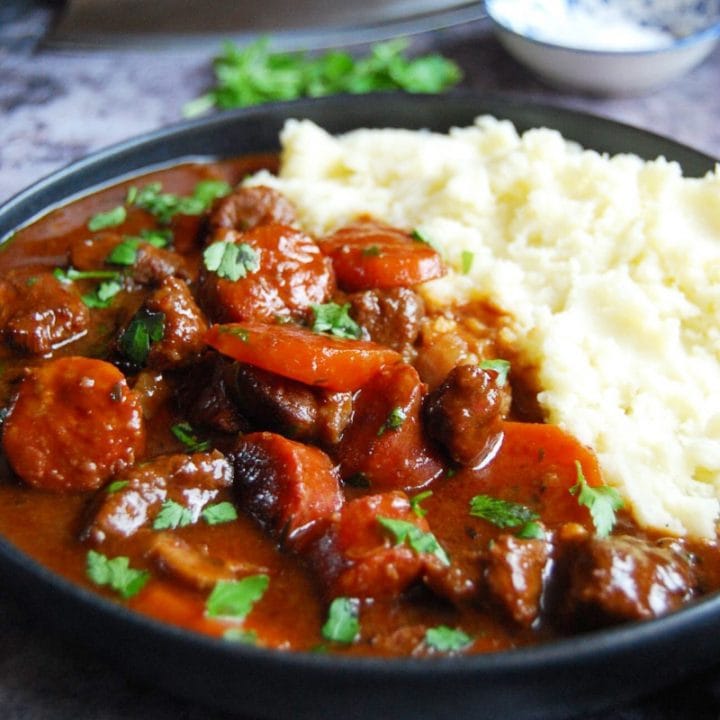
(608, 47)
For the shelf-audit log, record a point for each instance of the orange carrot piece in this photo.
(369, 255)
(301, 354)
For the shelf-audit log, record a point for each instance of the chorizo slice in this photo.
(384, 445)
(248, 207)
(290, 488)
(73, 425)
(368, 254)
(287, 274)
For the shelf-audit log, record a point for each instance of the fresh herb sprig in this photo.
(253, 75)
(602, 502)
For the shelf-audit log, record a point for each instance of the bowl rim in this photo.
(709, 33)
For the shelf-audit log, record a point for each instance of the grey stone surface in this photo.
(56, 107)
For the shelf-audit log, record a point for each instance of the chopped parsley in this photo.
(253, 75)
(236, 598)
(371, 251)
(111, 218)
(342, 624)
(335, 319)
(144, 329)
(499, 366)
(164, 205)
(219, 513)
(419, 540)
(238, 332)
(531, 530)
(396, 417)
(502, 513)
(116, 573)
(186, 435)
(446, 639)
(172, 515)
(230, 260)
(416, 500)
(71, 274)
(117, 485)
(419, 236)
(603, 502)
(466, 261)
(102, 296)
(125, 252)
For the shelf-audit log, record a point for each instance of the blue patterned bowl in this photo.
(608, 47)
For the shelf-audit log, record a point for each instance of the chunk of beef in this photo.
(620, 578)
(135, 497)
(40, 313)
(247, 207)
(272, 402)
(290, 488)
(153, 265)
(515, 574)
(211, 404)
(464, 414)
(192, 566)
(360, 558)
(384, 444)
(184, 325)
(390, 317)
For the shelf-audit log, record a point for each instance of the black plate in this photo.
(554, 680)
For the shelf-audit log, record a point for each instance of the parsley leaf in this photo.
(419, 236)
(396, 417)
(501, 367)
(172, 515)
(165, 205)
(253, 75)
(231, 260)
(72, 274)
(602, 502)
(125, 253)
(419, 540)
(186, 435)
(111, 218)
(219, 513)
(342, 624)
(502, 513)
(116, 573)
(335, 320)
(144, 329)
(103, 294)
(447, 639)
(415, 501)
(235, 598)
(116, 485)
(467, 258)
(531, 530)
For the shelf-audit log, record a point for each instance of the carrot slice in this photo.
(369, 255)
(300, 354)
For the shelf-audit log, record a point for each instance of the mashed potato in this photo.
(610, 268)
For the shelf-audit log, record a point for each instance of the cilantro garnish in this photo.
(419, 236)
(335, 319)
(103, 294)
(235, 598)
(415, 501)
(117, 485)
(111, 218)
(501, 367)
(116, 573)
(71, 274)
(144, 329)
(231, 260)
(602, 502)
(172, 515)
(253, 74)
(447, 639)
(419, 540)
(502, 513)
(342, 624)
(396, 417)
(125, 253)
(219, 513)
(186, 435)
(165, 205)
(531, 530)
(466, 261)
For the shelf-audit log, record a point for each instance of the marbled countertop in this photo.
(56, 107)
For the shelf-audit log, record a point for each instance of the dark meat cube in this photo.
(622, 578)
(185, 326)
(40, 313)
(132, 501)
(247, 207)
(153, 265)
(384, 445)
(390, 317)
(271, 402)
(515, 573)
(464, 414)
(290, 488)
